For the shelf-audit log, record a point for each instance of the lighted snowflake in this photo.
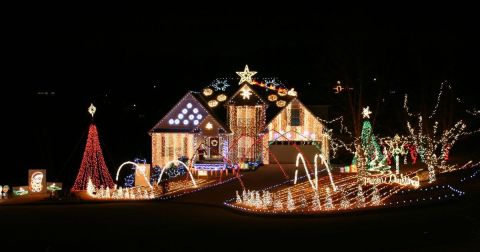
(246, 92)
(220, 85)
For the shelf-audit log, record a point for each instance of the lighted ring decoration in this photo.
(272, 97)
(207, 91)
(212, 103)
(281, 103)
(221, 97)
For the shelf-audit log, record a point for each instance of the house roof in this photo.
(214, 99)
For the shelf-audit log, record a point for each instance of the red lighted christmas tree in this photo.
(93, 165)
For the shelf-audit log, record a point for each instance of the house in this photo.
(233, 124)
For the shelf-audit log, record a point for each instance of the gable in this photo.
(245, 95)
(185, 116)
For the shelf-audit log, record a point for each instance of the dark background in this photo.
(136, 65)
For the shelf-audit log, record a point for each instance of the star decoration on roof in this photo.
(246, 75)
(246, 92)
(92, 109)
(366, 112)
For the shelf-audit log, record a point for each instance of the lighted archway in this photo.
(136, 167)
(167, 166)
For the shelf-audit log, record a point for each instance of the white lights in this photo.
(189, 105)
(184, 111)
(185, 122)
(209, 126)
(246, 75)
(246, 93)
(195, 110)
(92, 109)
(292, 92)
(195, 122)
(180, 116)
(366, 112)
(199, 117)
(191, 117)
(171, 121)
(177, 121)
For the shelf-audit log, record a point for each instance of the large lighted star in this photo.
(246, 75)
(92, 109)
(245, 93)
(366, 112)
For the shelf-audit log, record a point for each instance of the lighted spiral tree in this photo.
(93, 165)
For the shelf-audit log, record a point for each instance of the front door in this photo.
(214, 144)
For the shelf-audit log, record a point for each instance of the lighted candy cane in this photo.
(315, 185)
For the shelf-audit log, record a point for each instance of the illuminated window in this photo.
(295, 116)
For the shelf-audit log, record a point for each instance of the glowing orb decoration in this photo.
(177, 122)
(221, 97)
(207, 91)
(184, 111)
(212, 103)
(209, 126)
(189, 105)
(199, 117)
(281, 103)
(180, 116)
(292, 92)
(171, 121)
(272, 97)
(191, 117)
(185, 122)
(246, 75)
(246, 93)
(195, 122)
(195, 110)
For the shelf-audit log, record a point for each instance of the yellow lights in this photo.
(366, 112)
(246, 75)
(209, 126)
(281, 103)
(221, 97)
(212, 103)
(246, 93)
(282, 92)
(92, 109)
(207, 91)
(292, 92)
(272, 97)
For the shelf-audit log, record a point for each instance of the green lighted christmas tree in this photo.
(375, 160)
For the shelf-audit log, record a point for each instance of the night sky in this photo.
(135, 66)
